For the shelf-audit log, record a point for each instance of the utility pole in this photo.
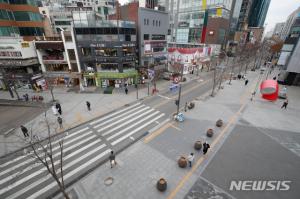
(179, 93)
(214, 85)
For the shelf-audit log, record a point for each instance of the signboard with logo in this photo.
(25, 44)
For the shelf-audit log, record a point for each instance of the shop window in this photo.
(146, 37)
(127, 38)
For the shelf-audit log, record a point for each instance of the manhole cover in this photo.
(108, 181)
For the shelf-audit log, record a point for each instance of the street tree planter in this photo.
(198, 145)
(182, 162)
(209, 132)
(161, 184)
(219, 123)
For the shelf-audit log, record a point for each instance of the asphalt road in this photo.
(14, 116)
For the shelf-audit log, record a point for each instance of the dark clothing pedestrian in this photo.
(284, 105)
(88, 104)
(274, 78)
(59, 120)
(126, 90)
(246, 82)
(58, 106)
(112, 159)
(24, 131)
(59, 111)
(205, 147)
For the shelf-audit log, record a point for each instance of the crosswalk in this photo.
(84, 148)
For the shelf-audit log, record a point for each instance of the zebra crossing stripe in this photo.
(136, 130)
(25, 156)
(36, 165)
(68, 175)
(53, 184)
(113, 114)
(127, 122)
(119, 116)
(54, 149)
(48, 176)
(123, 119)
(131, 126)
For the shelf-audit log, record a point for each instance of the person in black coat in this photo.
(24, 131)
(58, 107)
(205, 147)
(88, 104)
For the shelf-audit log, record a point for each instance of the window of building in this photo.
(31, 31)
(156, 23)
(3, 1)
(127, 38)
(146, 37)
(221, 36)
(159, 23)
(147, 21)
(27, 16)
(62, 23)
(153, 22)
(27, 2)
(8, 31)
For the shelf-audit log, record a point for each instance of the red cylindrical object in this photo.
(269, 90)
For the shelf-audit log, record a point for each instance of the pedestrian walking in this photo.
(274, 78)
(59, 111)
(126, 90)
(112, 159)
(246, 82)
(205, 147)
(285, 103)
(191, 159)
(24, 131)
(58, 107)
(88, 104)
(185, 107)
(59, 120)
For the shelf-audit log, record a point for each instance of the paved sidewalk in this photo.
(74, 110)
(141, 165)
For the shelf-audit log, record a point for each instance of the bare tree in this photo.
(43, 152)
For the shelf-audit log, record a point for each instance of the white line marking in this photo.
(25, 156)
(53, 149)
(10, 177)
(164, 97)
(115, 113)
(119, 116)
(46, 177)
(136, 130)
(68, 175)
(130, 127)
(127, 122)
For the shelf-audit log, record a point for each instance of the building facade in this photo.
(278, 29)
(289, 22)
(106, 49)
(59, 59)
(20, 18)
(152, 33)
(258, 13)
(187, 20)
(19, 64)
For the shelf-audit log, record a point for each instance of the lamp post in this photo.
(179, 93)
